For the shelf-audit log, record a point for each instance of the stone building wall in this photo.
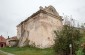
(39, 30)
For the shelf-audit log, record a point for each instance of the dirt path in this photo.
(6, 53)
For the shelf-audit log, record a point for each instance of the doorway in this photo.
(2, 45)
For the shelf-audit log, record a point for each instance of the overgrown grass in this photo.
(28, 51)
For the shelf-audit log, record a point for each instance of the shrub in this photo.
(80, 52)
(68, 35)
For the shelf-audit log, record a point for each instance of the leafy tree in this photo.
(68, 35)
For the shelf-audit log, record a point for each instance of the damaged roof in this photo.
(47, 10)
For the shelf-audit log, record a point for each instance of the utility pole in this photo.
(70, 46)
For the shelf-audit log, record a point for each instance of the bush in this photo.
(80, 52)
(68, 35)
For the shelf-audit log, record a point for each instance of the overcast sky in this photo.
(12, 12)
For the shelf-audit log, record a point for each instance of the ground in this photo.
(2, 53)
(28, 51)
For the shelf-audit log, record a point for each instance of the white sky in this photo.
(12, 12)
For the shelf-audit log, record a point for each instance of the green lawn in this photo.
(28, 51)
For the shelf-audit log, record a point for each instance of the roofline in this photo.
(30, 17)
(40, 11)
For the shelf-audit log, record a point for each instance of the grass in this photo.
(2, 53)
(28, 51)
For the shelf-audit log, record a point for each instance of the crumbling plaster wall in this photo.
(39, 30)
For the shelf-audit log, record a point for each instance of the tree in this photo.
(68, 35)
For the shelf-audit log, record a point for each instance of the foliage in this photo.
(80, 52)
(68, 35)
(82, 42)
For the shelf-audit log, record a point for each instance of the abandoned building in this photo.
(38, 29)
(2, 41)
(12, 42)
